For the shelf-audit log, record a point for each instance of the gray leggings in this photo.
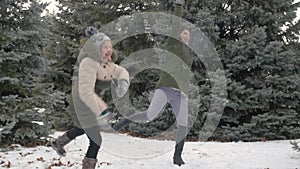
(161, 97)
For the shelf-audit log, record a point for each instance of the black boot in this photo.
(177, 159)
(121, 124)
(180, 139)
(137, 117)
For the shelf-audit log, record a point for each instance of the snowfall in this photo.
(122, 151)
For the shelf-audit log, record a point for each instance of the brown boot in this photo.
(89, 163)
(59, 143)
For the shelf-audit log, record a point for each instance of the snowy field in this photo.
(120, 151)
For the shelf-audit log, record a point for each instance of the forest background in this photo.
(256, 40)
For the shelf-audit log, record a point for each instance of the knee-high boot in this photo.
(89, 163)
(180, 139)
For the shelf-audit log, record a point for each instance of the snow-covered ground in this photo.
(120, 151)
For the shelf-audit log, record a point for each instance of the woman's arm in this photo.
(87, 77)
(175, 25)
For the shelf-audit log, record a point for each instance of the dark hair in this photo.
(183, 27)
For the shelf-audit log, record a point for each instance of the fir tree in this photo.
(22, 65)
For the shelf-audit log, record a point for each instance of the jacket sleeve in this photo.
(177, 10)
(87, 77)
(121, 73)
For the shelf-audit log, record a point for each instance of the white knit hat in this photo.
(97, 37)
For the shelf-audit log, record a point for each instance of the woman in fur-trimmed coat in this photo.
(95, 70)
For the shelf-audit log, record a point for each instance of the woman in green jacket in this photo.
(170, 90)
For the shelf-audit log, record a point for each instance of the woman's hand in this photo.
(106, 119)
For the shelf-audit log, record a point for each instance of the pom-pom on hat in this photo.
(90, 31)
